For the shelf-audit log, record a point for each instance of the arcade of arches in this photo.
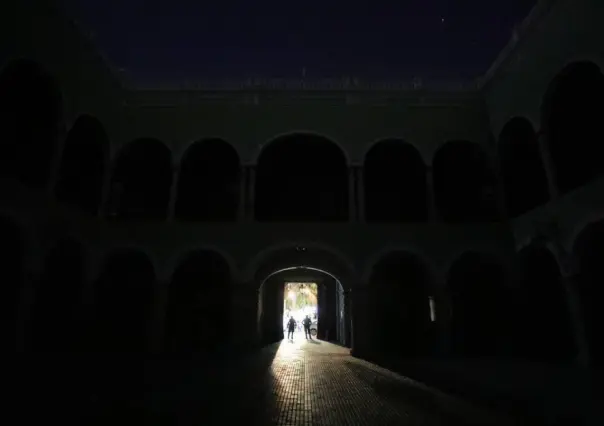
(402, 311)
(297, 173)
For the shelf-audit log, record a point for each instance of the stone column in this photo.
(106, 192)
(360, 304)
(430, 197)
(173, 193)
(352, 195)
(156, 331)
(548, 165)
(360, 199)
(251, 193)
(569, 280)
(245, 328)
(243, 186)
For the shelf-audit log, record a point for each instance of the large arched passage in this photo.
(198, 309)
(12, 248)
(522, 169)
(302, 177)
(141, 180)
(123, 304)
(589, 250)
(56, 316)
(464, 183)
(30, 115)
(480, 306)
(330, 270)
(572, 117)
(395, 183)
(544, 316)
(333, 317)
(209, 182)
(400, 293)
(85, 155)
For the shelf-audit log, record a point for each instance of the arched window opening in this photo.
(572, 116)
(302, 178)
(85, 154)
(12, 263)
(30, 115)
(546, 322)
(198, 312)
(589, 250)
(395, 183)
(123, 299)
(141, 181)
(464, 183)
(401, 294)
(56, 315)
(524, 177)
(209, 182)
(480, 307)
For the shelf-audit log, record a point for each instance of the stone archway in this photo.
(302, 178)
(57, 310)
(30, 117)
(400, 290)
(395, 183)
(209, 182)
(83, 165)
(589, 249)
(12, 264)
(141, 181)
(123, 304)
(522, 167)
(464, 183)
(572, 114)
(543, 312)
(271, 268)
(480, 306)
(198, 314)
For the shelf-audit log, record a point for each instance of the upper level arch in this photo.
(141, 180)
(84, 161)
(571, 116)
(209, 182)
(522, 167)
(30, 120)
(302, 254)
(175, 261)
(464, 183)
(302, 177)
(395, 183)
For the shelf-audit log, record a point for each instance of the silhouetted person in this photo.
(291, 327)
(306, 322)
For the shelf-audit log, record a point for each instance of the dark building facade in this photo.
(451, 222)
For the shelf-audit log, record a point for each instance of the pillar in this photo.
(243, 186)
(570, 282)
(251, 193)
(245, 307)
(548, 165)
(156, 330)
(360, 199)
(430, 198)
(106, 192)
(360, 308)
(352, 195)
(173, 193)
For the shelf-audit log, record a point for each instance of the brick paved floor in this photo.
(299, 383)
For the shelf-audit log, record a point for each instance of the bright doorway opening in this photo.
(300, 304)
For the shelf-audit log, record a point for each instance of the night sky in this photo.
(170, 40)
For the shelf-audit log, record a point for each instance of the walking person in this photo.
(306, 322)
(291, 327)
